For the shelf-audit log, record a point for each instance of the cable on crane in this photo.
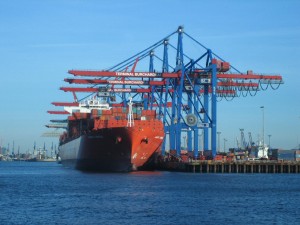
(260, 84)
(245, 91)
(162, 61)
(279, 83)
(253, 88)
(132, 61)
(190, 59)
(227, 97)
(238, 92)
(160, 42)
(212, 52)
(220, 97)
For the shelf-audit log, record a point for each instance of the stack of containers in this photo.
(106, 114)
(96, 113)
(137, 112)
(280, 154)
(149, 114)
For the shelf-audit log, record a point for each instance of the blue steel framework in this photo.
(192, 88)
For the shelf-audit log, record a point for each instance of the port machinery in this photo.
(183, 89)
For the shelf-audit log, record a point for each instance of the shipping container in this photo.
(202, 157)
(184, 158)
(207, 153)
(183, 152)
(225, 66)
(218, 158)
(280, 154)
(106, 112)
(116, 110)
(148, 112)
(94, 111)
(229, 159)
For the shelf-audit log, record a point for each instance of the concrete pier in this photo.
(210, 166)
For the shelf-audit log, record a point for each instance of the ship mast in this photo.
(130, 120)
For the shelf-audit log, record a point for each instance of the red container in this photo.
(225, 66)
(229, 159)
(184, 158)
(217, 62)
(218, 157)
(117, 110)
(148, 112)
(183, 152)
(202, 157)
(106, 112)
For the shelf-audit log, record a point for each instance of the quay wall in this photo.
(210, 166)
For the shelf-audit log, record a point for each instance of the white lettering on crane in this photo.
(137, 74)
(125, 82)
(119, 90)
(128, 74)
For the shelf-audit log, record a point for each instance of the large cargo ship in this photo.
(102, 138)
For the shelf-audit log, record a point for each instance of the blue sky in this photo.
(41, 40)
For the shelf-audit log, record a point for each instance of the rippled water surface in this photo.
(48, 193)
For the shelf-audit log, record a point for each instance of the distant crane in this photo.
(251, 143)
(243, 141)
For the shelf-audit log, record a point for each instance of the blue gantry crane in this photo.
(183, 89)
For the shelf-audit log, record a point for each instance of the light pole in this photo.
(263, 125)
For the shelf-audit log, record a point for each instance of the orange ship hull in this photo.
(112, 146)
(146, 139)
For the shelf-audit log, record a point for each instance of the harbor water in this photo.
(48, 193)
